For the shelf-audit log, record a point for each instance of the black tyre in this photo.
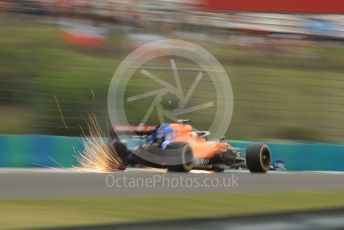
(186, 157)
(120, 150)
(258, 158)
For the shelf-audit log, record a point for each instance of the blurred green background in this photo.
(281, 91)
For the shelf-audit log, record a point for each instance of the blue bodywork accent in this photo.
(163, 131)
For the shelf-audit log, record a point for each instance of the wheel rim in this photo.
(187, 163)
(265, 158)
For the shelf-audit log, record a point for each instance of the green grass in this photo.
(85, 210)
(277, 95)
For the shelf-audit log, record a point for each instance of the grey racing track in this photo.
(22, 183)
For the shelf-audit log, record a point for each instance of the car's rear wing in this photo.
(139, 130)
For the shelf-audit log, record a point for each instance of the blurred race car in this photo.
(188, 149)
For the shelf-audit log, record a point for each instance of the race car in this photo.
(179, 148)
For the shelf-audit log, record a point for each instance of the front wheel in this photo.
(184, 151)
(258, 158)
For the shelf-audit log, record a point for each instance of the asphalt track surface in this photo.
(38, 183)
(327, 219)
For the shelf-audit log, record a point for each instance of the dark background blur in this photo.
(286, 70)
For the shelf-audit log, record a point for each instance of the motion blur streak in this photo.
(286, 69)
(304, 6)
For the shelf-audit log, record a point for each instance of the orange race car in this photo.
(179, 148)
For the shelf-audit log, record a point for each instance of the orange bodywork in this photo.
(200, 146)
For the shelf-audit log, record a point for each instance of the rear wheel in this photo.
(258, 158)
(186, 157)
(120, 150)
